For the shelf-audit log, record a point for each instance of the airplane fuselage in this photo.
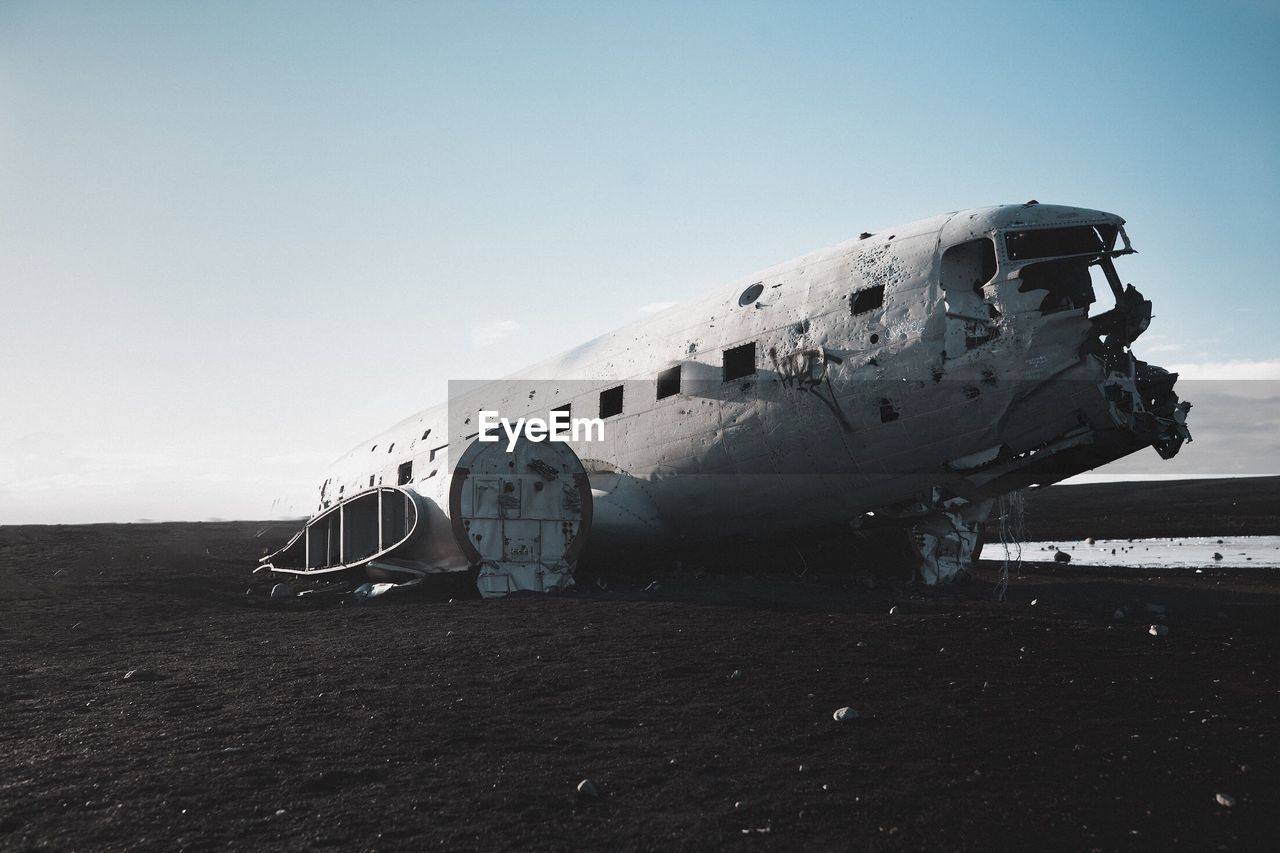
(914, 372)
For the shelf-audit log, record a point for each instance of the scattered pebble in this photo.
(282, 590)
(1034, 601)
(1225, 800)
(1158, 630)
(141, 675)
(587, 788)
(844, 715)
(737, 673)
(893, 610)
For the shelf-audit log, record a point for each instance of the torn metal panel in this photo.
(521, 515)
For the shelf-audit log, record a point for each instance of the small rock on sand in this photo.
(1225, 800)
(844, 715)
(282, 590)
(1158, 630)
(587, 788)
(141, 675)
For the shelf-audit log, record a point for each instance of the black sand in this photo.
(702, 711)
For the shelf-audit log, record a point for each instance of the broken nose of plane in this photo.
(1170, 414)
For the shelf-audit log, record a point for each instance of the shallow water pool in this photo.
(1192, 552)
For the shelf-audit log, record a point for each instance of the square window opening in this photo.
(669, 382)
(611, 402)
(739, 361)
(868, 300)
(404, 474)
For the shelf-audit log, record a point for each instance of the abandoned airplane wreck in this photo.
(896, 384)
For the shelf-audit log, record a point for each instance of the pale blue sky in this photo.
(236, 238)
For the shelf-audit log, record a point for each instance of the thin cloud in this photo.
(1269, 369)
(490, 332)
(655, 307)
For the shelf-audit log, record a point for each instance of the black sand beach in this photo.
(147, 705)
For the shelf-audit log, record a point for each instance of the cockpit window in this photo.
(1067, 282)
(1059, 242)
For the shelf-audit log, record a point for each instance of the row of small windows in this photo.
(740, 361)
(403, 474)
(392, 446)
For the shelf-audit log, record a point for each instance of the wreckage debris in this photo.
(366, 591)
(519, 512)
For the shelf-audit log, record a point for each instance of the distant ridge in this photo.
(1248, 506)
